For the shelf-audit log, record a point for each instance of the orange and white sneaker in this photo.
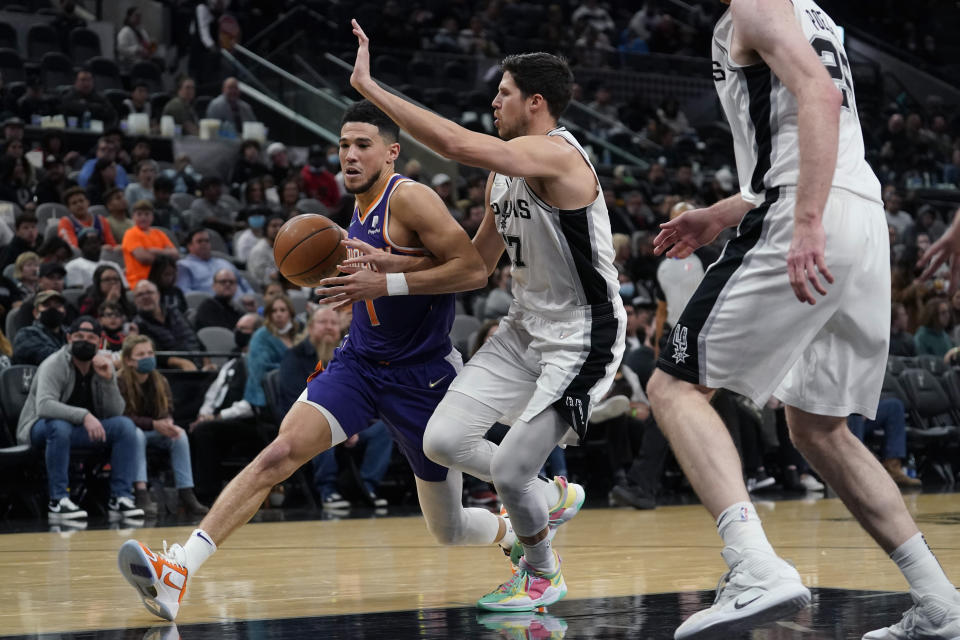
(159, 578)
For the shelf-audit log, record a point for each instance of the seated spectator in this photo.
(220, 310)
(65, 21)
(278, 333)
(243, 243)
(113, 326)
(149, 403)
(168, 329)
(25, 238)
(196, 269)
(74, 402)
(142, 244)
(901, 340)
(55, 249)
(163, 273)
(133, 42)
(280, 167)
(185, 178)
(35, 101)
(317, 180)
(80, 217)
(896, 217)
(261, 265)
(931, 336)
(254, 194)
(54, 182)
(10, 298)
(142, 189)
(51, 278)
(289, 197)
(500, 297)
(890, 418)
(82, 99)
(138, 102)
(108, 286)
(181, 106)
(142, 150)
(33, 343)
(13, 185)
(207, 210)
(118, 214)
(80, 270)
(6, 352)
(248, 165)
(26, 273)
(226, 422)
(102, 180)
(164, 213)
(105, 151)
(229, 109)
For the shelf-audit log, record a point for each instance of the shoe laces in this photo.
(514, 584)
(171, 554)
(726, 579)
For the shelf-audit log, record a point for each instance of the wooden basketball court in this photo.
(631, 574)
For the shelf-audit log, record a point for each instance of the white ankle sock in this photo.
(198, 548)
(540, 556)
(509, 537)
(552, 493)
(739, 526)
(921, 568)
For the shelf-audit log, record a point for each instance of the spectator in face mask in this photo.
(256, 218)
(317, 181)
(35, 342)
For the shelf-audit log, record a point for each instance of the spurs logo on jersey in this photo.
(680, 354)
(561, 258)
(765, 132)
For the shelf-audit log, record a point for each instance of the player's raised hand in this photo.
(805, 261)
(360, 77)
(946, 249)
(687, 232)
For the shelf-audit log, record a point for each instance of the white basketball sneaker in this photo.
(758, 588)
(159, 578)
(931, 618)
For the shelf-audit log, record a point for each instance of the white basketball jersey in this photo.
(561, 258)
(762, 112)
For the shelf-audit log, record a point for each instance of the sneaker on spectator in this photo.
(895, 469)
(810, 483)
(64, 509)
(334, 500)
(375, 500)
(759, 480)
(123, 507)
(632, 495)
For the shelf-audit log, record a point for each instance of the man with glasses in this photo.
(74, 401)
(220, 310)
(195, 271)
(142, 244)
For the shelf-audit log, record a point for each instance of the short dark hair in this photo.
(72, 191)
(109, 193)
(249, 143)
(181, 79)
(542, 73)
(193, 232)
(209, 181)
(366, 111)
(163, 183)
(138, 82)
(24, 218)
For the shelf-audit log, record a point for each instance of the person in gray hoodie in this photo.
(74, 401)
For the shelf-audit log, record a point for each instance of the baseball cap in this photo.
(275, 147)
(50, 268)
(13, 122)
(440, 178)
(77, 325)
(45, 296)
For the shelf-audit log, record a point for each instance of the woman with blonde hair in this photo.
(150, 405)
(26, 272)
(279, 332)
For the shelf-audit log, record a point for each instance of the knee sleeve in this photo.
(447, 521)
(454, 435)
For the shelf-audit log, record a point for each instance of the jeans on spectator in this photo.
(179, 457)
(556, 463)
(59, 436)
(890, 419)
(376, 459)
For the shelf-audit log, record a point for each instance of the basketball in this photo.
(307, 249)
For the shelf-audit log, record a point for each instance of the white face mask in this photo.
(285, 329)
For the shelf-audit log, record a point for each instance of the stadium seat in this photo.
(933, 431)
(50, 211)
(20, 476)
(116, 98)
(895, 365)
(14, 387)
(84, 44)
(149, 73)
(41, 39)
(933, 364)
(56, 70)
(462, 331)
(310, 205)
(8, 37)
(11, 65)
(158, 101)
(73, 295)
(216, 339)
(195, 298)
(106, 74)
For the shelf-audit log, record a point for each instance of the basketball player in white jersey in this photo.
(556, 352)
(796, 307)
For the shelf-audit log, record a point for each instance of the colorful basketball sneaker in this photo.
(930, 617)
(159, 578)
(572, 496)
(525, 625)
(526, 590)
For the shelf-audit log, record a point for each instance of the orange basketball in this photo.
(308, 249)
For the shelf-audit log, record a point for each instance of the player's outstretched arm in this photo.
(527, 156)
(946, 249)
(695, 228)
(419, 210)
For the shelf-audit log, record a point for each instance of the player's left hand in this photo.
(805, 259)
(360, 78)
(344, 290)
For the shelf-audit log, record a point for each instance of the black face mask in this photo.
(51, 318)
(241, 339)
(83, 350)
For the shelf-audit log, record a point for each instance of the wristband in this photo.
(397, 284)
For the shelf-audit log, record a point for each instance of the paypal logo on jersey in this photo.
(374, 224)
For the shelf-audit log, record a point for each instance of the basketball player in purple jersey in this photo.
(395, 364)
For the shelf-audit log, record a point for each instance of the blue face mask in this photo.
(333, 159)
(146, 365)
(628, 290)
(256, 222)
